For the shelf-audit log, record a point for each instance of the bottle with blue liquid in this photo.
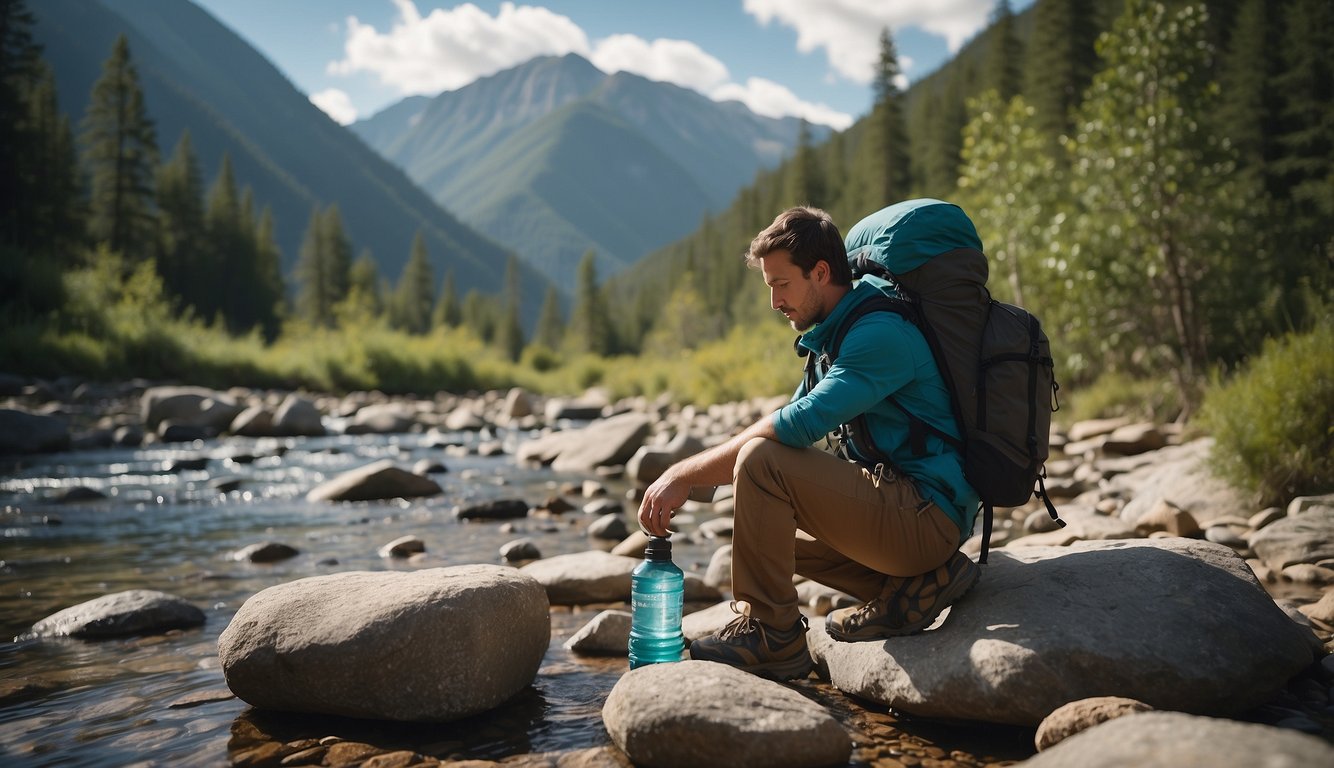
(657, 596)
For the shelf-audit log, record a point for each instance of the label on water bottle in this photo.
(665, 605)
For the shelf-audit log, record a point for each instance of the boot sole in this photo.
(948, 598)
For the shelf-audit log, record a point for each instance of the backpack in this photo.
(995, 358)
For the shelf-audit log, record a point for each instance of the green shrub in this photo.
(1117, 394)
(1273, 422)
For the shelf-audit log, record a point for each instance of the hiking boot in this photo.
(906, 606)
(778, 654)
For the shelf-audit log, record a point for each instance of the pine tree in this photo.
(1250, 107)
(120, 154)
(224, 275)
(20, 58)
(946, 131)
(884, 163)
(590, 326)
(1307, 86)
(448, 311)
(481, 314)
(322, 267)
(550, 323)
(50, 176)
(363, 285)
(182, 241)
(805, 178)
(270, 291)
(415, 295)
(509, 332)
(1004, 70)
(1061, 60)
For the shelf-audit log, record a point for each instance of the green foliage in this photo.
(550, 323)
(1061, 60)
(590, 324)
(322, 268)
(1273, 422)
(1118, 394)
(414, 298)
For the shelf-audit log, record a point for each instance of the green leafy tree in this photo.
(550, 323)
(1161, 238)
(120, 155)
(590, 324)
(414, 298)
(322, 267)
(182, 241)
(1011, 186)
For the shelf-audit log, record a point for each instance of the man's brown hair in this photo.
(809, 234)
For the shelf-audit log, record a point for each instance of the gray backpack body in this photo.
(994, 357)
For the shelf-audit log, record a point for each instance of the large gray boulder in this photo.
(1176, 740)
(603, 443)
(700, 713)
(188, 406)
(378, 480)
(381, 419)
(429, 645)
(25, 433)
(297, 417)
(650, 461)
(1176, 623)
(135, 612)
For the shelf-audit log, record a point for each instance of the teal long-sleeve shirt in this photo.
(883, 354)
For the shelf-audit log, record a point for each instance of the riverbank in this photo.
(171, 515)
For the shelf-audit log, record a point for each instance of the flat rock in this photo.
(24, 433)
(1304, 538)
(379, 480)
(602, 443)
(381, 419)
(1173, 739)
(498, 509)
(428, 645)
(608, 634)
(135, 612)
(188, 407)
(1082, 715)
(583, 577)
(700, 713)
(1182, 476)
(265, 552)
(1179, 624)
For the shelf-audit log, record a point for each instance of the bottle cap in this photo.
(659, 549)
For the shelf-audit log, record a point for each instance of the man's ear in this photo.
(821, 272)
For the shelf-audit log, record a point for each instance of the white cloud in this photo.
(671, 61)
(765, 97)
(336, 104)
(849, 30)
(448, 49)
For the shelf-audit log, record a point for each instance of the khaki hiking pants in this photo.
(801, 510)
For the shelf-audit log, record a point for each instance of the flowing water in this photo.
(162, 700)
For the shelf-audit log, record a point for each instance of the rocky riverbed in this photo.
(147, 526)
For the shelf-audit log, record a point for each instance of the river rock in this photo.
(519, 550)
(583, 577)
(601, 443)
(255, 421)
(499, 509)
(381, 419)
(1179, 624)
(379, 480)
(1166, 516)
(632, 545)
(266, 552)
(402, 547)
(700, 713)
(609, 527)
(1182, 476)
(1134, 439)
(428, 645)
(1304, 538)
(188, 407)
(136, 612)
(1174, 739)
(297, 417)
(608, 634)
(1069, 719)
(650, 461)
(24, 433)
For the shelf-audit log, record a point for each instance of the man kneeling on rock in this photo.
(886, 533)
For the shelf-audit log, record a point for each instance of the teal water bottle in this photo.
(657, 594)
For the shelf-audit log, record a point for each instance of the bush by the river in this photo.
(1272, 421)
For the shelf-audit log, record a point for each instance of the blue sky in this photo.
(810, 58)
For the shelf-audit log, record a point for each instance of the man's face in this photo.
(796, 295)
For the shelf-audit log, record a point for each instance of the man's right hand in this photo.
(661, 501)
